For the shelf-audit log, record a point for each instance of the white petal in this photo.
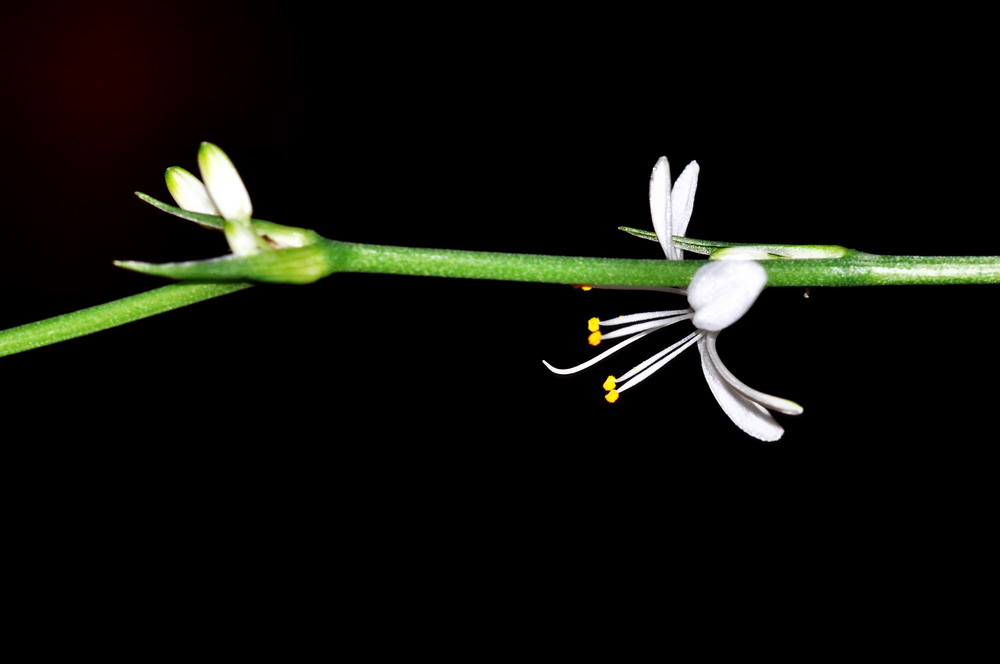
(747, 415)
(767, 400)
(682, 198)
(188, 191)
(660, 208)
(224, 184)
(721, 292)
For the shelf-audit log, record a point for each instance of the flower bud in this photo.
(224, 184)
(189, 192)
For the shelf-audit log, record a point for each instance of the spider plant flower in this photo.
(719, 294)
(222, 194)
(261, 250)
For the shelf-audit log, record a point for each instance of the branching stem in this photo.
(325, 257)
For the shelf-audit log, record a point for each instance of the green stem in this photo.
(853, 269)
(323, 257)
(110, 314)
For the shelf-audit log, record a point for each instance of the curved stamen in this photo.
(594, 360)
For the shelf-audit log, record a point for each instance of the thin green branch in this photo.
(855, 268)
(322, 257)
(111, 314)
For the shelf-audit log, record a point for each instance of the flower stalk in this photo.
(854, 268)
(110, 314)
(326, 257)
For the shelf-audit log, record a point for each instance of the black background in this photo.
(376, 450)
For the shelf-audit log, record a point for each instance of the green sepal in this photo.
(704, 247)
(638, 232)
(300, 265)
(278, 234)
(206, 220)
(778, 251)
(746, 250)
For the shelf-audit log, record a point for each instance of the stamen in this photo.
(597, 358)
(611, 396)
(594, 338)
(653, 324)
(593, 324)
(635, 318)
(609, 384)
(654, 364)
(657, 289)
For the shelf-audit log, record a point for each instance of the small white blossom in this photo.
(222, 194)
(719, 294)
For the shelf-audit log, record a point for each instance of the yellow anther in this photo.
(593, 324)
(609, 384)
(583, 287)
(611, 396)
(594, 338)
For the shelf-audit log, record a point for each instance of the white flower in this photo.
(223, 194)
(718, 295)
